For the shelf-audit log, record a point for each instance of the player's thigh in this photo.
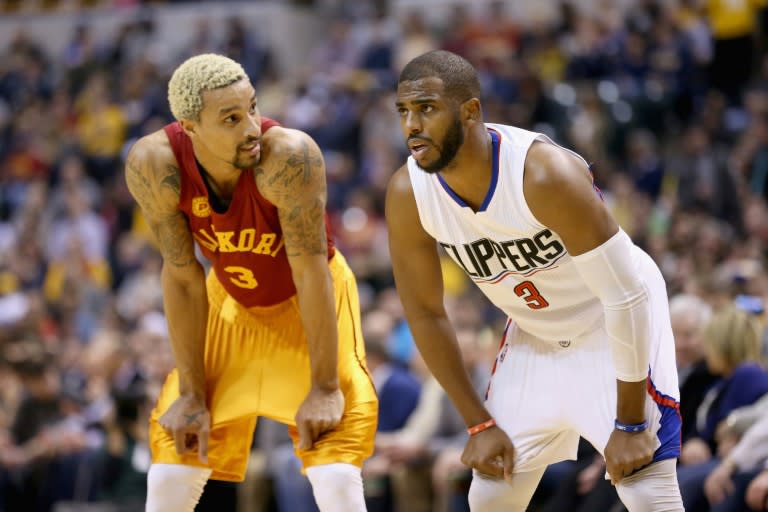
(257, 362)
(499, 495)
(592, 397)
(257, 359)
(354, 377)
(652, 489)
(529, 403)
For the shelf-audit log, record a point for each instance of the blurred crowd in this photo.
(668, 99)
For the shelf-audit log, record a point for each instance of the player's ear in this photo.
(188, 126)
(471, 110)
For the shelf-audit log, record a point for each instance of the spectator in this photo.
(746, 429)
(733, 340)
(690, 316)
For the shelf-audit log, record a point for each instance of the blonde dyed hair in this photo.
(736, 336)
(196, 75)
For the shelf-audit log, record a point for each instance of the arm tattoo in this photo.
(306, 165)
(168, 224)
(192, 418)
(304, 233)
(175, 240)
(172, 179)
(299, 190)
(139, 185)
(296, 166)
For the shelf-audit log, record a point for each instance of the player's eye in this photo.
(427, 108)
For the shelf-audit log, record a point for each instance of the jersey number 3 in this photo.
(241, 277)
(530, 294)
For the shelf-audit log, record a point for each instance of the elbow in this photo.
(420, 315)
(311, 277)
(187, 276)
(630, 300)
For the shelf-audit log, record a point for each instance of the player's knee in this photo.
(486, 494)
(652, 489)
(337, 487)
(185, 483)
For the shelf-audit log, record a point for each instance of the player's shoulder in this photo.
(291, 165)
(280, 142)
(400, 204)
(152, 173)
(548, 165)
(152, 151)
(400, 186)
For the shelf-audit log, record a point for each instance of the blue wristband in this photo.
(630, 427)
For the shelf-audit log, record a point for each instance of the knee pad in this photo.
(337, 487)
(175, 487)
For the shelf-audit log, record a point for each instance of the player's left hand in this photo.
(626, 452)
(320, 412)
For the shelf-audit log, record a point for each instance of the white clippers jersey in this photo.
(522, 266)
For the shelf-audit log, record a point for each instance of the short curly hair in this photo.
(196, 75)
(459, 77)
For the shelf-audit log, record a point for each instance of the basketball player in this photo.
(588, 348)
(274, 329)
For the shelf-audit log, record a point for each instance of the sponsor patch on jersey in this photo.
(201, 207)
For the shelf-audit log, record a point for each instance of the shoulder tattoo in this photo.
(157, 193)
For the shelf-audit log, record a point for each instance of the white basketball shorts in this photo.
(547, 393)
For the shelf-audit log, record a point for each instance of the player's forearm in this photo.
(611, 272)
(438, 347)
(630, 403)
(318, 315)
(186, 310)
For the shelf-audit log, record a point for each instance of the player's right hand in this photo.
(188, 421)
(491, 453)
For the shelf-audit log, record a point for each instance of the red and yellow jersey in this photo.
(245, 243)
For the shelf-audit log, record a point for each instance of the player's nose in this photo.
(412, 124)
(253, 127)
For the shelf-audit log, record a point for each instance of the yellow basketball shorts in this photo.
(257, 364)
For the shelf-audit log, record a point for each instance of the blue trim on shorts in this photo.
(670, 431)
